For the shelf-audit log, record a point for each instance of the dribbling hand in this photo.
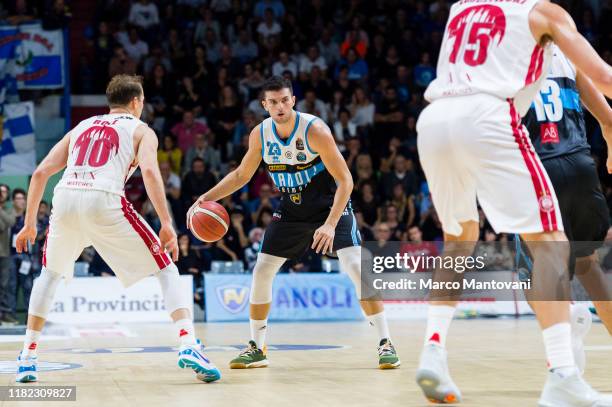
(25, 235)
(190, 211)
(323, 239)
(167, 236)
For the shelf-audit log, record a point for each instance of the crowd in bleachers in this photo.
(361, 65)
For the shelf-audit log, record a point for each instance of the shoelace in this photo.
(386, 349)
(248, 351)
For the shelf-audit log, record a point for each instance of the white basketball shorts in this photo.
(81, 218)
(474, 148)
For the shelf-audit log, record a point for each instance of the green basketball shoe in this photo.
(387, 357)
(251, 357)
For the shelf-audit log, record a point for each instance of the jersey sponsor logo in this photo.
(274, 149)
(472, 31)
(299, 144)
(546, 203)
(303, 167)
(296, 198)
(233, 297)
(301, 157)
(289, 155)
(549, 133)
(277, 167)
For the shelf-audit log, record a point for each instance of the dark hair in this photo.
(17, 191)
(122, 89)
(275, 83)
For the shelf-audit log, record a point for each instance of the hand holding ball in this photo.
(209, 221)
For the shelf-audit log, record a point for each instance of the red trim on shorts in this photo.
(149, 239)
(44, 251)
(535, 65)
(540, 184)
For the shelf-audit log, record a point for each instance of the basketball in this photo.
(209, 221)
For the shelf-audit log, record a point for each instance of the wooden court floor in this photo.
(494, 362)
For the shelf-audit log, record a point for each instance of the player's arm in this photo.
(549, 20)
(238, 178)
(322, 141)
(53, 163)
(597, 104)
(154, 184)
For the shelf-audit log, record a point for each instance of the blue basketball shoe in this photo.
(27, 369)
(192, 357)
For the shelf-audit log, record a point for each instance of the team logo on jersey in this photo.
(301, 157)
(546, 203)
(155, 248)
(549, 133)
(273, 149)
(299, 144)
(289, 155)
(296, 198)
(486, 25)
(233, 297)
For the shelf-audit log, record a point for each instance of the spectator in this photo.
(389, 116)
(197, 181)
(22, 276)
(190, 263)
(187, 129)
(7, 220)
(57, 16)
(357, 67)
(268, 27)
(121, 63)
(329, 49)
(144, 14)
(174, 48)
(262, 7)
(389, 216)
(366, 206)
(403, 174)
(134, 47)
(203, 150)
(170, 153)
(251, 85)
(311, 104)
(245, 49)
(250, 253)
(284, 64)
(362, 109)
(155, 58)
(354, 40)
(213, 46)
(264, 201)
(227, 61)
(227, 114)
(159, 90)
(311, 59)
(344, 129)
(424, 73)
(404, 203)
(207, 22)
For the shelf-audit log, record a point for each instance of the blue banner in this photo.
(296, 297)
(31, 58)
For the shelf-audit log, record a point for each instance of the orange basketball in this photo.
(209, 221)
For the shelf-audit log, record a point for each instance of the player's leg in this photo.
(591, 276)
(133, 251)
(63, 245)
(265, 270)
(507, 159)
(347, 244)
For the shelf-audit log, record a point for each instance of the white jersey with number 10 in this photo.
(101, 153)
(488, 48)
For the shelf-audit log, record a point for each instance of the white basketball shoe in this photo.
(434, 378)
(571, 390)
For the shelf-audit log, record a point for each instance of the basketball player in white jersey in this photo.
(305, 164)
(473, 148)
(90, 208)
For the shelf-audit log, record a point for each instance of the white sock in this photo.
(439, 318)
(379, 321)
(186, 331)
(259, 328)
(30, 343)
(558, 346)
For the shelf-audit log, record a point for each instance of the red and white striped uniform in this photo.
(89, 206)
(471, 142)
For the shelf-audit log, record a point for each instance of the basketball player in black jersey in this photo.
(305, 164)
